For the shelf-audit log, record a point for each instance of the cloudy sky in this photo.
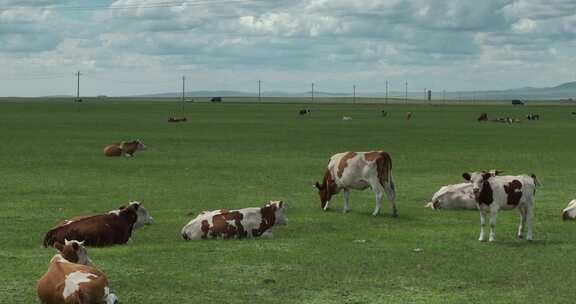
(129, 47)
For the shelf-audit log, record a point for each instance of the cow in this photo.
(569, 213)
(241, 223)
(346, 118)
(303, 112)
(384, 113)
(126, 148)
(483, 117)
(144, 218)
(408, 115)
(533, 116)
(71, 278)
(457, 196)
(358, 170)
(100, 230)
(494, 193)
(177, 119)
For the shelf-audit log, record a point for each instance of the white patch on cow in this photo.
(570, 211)
(73, 281)
(116, 212)
(59, 258)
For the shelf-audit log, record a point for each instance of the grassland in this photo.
(239, 155)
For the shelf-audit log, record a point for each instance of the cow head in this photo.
(139, 145)
(326, 189)
(478, 180)
(74, 252)
(278, 207)
(143, 217)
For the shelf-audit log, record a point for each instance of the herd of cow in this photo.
(72, 278)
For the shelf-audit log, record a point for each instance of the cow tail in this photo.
(384, 166)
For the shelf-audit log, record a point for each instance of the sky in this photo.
(130, 47)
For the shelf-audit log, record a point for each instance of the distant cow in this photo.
(384, 113)
(127, 148)
(216, 99)
(483, 117)
(346, 118)
(242, 223)
(494, 193)
(532, 116)
(569, 213)
(107, 229)
(71, 278)
(303, 112)
(408, 115)
(458, 196)
(358, 170)
(177, 119)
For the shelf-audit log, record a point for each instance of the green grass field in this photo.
(242, 155)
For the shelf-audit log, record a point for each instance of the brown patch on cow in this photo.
(371, 156)
(514, 195)
(221, 226)
(268, 213)
(486, 196)
(344, 163)
(205, 229)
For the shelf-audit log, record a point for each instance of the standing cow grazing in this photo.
(71, 279)
(126, 148)
(358, 170)
(494, 193)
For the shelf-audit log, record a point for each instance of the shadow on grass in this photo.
(523, 243)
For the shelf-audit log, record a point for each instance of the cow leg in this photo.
(483, 215)
(391, 195)
(529, 219)
(522, 209)
(346, 201)
(493, 214)
(377, 188)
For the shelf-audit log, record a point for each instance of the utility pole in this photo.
(386, 99)
(259, 94)
(312, 92)
(425, 94)
(406, 92)
(443, 96)
(183, 91)
(78, 87)
(354, 94)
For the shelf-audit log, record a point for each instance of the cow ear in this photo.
(122, 207)
(466, 176)
(498, 172)
(58, 246)
(317, 185)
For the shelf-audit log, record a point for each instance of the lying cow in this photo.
(458, 196)
(569, 213)
(71, 278)
(242, 223)
(144, 218)
(177, 119)
(107, 229)
(358, 170)
(408, 115)
(126, 148)
(303, 112)
(494, 193)
(483, 117)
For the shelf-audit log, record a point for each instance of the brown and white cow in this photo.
(569, 213)
(71, 278)
(107, 229)
(242, 223)
(494, 193)
(358, 170)
(144, 217)
(126, 148)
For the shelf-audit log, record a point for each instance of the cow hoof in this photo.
(375, 213)
(491, 240)
(482, 239)
(520, 237)
(345, 211)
